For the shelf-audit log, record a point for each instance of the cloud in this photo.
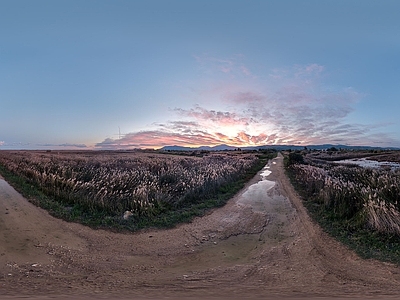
(38, 146)
(292, 107)
(309, 70)
(66, 145)
(245, 70)
(219, 118)
(159, 138)
(244, 97)
(60, 146)
(233, 66)
(73, 145)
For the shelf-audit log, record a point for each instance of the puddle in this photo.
(273, 210)
(265, 172)
(256, 195)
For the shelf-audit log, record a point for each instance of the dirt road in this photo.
(262, 244)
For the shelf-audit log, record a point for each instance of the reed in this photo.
(350, 192)
(145, 184)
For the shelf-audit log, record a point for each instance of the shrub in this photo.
(295, 158)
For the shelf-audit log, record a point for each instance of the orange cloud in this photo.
(160, 138)
(295, 109)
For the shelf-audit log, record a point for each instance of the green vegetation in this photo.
(96, 188)
(359, 206)
(294, 158)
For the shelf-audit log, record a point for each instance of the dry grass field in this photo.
(233, 252)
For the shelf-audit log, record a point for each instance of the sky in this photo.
(95, 74)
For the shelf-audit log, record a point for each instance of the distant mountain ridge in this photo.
(204, 148)
(224, 147)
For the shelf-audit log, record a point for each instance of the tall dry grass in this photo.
(115, 182)
(363, 196)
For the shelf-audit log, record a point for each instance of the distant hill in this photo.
(204, 148)
(224, 147)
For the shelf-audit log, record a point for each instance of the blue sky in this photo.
(198, 73)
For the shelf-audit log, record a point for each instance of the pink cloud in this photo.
(225, 68)
(313, 69)
(309, 70)
(245, 70)
(258, 139)
(231, 65)
(159, 138)
(220, 118)
(295, 108)
(221, 136)
(243, 137)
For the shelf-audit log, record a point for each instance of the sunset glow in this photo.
(139, 74)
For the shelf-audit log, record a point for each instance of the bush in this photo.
(295, 158)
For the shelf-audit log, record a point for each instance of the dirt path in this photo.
(262, 244)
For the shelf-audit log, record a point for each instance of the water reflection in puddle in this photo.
(256, 195)
(265, 172)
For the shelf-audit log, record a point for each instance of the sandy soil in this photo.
(262, 244)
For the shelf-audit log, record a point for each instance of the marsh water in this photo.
(367, 163)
